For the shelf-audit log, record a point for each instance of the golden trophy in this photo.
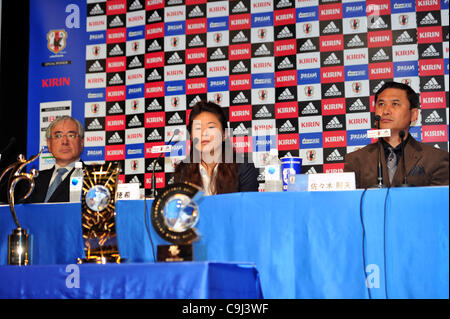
(174, 214)
(18, 241)
(98, 213)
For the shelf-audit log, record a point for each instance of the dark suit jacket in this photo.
(61, 194)
(425, 164)
(247, 174)
(248, 178)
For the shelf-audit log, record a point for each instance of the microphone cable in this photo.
(148, 228)
(384, 241)
(363, 241)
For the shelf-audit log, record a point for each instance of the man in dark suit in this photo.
(397, 105)
(65, 140)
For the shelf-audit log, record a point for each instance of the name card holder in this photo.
(128, 191)
(323, 182)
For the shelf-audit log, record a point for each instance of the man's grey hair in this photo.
(48, 133)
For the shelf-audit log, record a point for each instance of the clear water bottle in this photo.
(272, 173)
(76, 183)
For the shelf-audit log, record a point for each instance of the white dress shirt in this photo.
(206, 179)
(68, 167)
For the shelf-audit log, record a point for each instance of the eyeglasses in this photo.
(70, 136)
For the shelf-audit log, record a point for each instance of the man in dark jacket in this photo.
(65, 140)
(397, 105)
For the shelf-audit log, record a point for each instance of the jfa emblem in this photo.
(262, 94)
(56, 40)
(134, 165)
(356, 86)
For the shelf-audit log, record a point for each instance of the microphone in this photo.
(377, 120)
(12, 141)
(153, 182)
(184, 167)
(196, 156)
(401, 134)
(380, 170)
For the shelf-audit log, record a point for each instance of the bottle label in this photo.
(272, 172)
(76, 183)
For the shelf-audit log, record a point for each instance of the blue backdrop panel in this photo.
(60, 76)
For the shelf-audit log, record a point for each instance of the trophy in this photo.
(18, 241)
(174, 214)
(98, 213)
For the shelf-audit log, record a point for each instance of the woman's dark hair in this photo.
(226, 179)
(411, 95)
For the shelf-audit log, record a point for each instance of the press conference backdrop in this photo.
(298, 75)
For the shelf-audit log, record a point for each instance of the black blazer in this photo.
(61, 194)
(247, 174)
(248, 178)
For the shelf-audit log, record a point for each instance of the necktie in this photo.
(391, 164)
(56, 182)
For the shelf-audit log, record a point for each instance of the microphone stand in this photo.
(153, 181)
(380, 170)
(184, 164)
(153, 194)
(12, 140)
(405, 179)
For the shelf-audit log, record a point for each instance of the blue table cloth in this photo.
(195, 280)
(304, 245)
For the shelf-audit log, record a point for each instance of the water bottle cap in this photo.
(273, 152)
(78, 165)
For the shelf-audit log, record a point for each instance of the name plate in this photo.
(128, 191)
(379, 133)
(323, 182)
(161, 149)
(331, 182)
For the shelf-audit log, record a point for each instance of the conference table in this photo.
(379, 243)
(194, 280)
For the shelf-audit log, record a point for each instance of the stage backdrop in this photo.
(298, 75)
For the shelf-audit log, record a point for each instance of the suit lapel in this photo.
(413, 153)
(41, 186)
(60, 192)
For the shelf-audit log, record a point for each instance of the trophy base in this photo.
(101, 260)
(173, 253)
(18, 248)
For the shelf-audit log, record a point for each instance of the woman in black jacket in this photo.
(213, 164)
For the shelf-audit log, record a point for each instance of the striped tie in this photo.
(391, 164)
(58, 179)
